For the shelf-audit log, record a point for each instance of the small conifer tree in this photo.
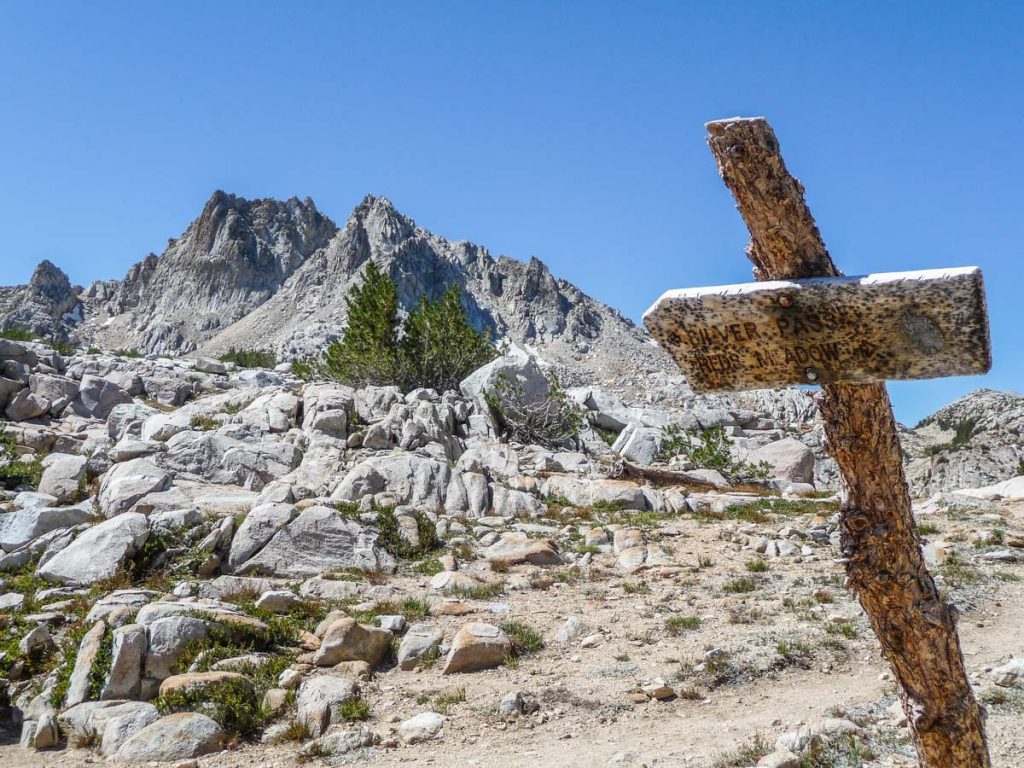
(439, 346)
(435, 347)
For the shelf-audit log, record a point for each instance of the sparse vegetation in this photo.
(444, 701)
(524, 638)
(296, 730)
(231, 703)
(204, 423)
(354, 710)
(963, 431)
(249, 358)
(16, 333)
(677, 625)
(482, 591)
(410, 608)
(636, 587)
(14, 470)
(710, 449)
(839, 751)
(739, 585)
(553, 422)
(959, 572)
(795, 652)
(390, 536)
(746, 754)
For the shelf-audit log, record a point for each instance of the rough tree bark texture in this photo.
(884, 565)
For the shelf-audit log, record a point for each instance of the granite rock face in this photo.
(48, 306)
(970, 443)
(230, 260)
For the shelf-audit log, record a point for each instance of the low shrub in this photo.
(710, 449)
(231, 703)
(17, 333)
(524, 638)
(249, 358)
(14, 470)
(676, 625)
(554, 422)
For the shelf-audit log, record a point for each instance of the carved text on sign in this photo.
(899, 325)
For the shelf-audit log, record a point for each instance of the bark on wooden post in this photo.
(884, 565)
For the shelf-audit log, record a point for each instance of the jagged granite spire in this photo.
(48, 306)
(232, 258)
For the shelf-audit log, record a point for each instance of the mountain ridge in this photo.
(273, 274)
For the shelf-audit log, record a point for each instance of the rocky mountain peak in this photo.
(232, 258)
(51, 281)
(382, 225)
(47, 306)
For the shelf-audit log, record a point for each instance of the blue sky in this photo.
(568, 131)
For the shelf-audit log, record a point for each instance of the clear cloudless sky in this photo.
(568, 131)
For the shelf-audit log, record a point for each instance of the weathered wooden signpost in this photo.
(807, 324)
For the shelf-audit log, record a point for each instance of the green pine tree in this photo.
(368, 352)
(436, 347)
(440, 347)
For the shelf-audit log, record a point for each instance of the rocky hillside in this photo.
(197, 558)
(522, 302)
(976, 441)
(267, 274)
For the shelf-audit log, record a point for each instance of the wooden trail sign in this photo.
(899, 325)
(878, 537)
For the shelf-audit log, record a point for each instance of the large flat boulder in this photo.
(63, 475)
(515, 548)
(582, 492)
(25, 525)
(327, 408)
(520, 369)
(97, 397)
(98, 553)
(257, 529)
(347, 640)
(319, 540)
(475, 647)
(411, 479)
(319, 699)
(787, 459)
(125, 484)
(420, 640)
(25, 405)
(113, 722)
(128, 653)
(182, 736)
(168, 637)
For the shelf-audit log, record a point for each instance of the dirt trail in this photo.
(591, 729)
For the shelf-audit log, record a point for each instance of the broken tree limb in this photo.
(884, 565)
(684, 479)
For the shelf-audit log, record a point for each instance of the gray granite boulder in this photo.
(98, 553)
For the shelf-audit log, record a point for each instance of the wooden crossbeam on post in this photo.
(798, 331)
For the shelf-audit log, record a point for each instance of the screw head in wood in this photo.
(785, 301)
(811, 374)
